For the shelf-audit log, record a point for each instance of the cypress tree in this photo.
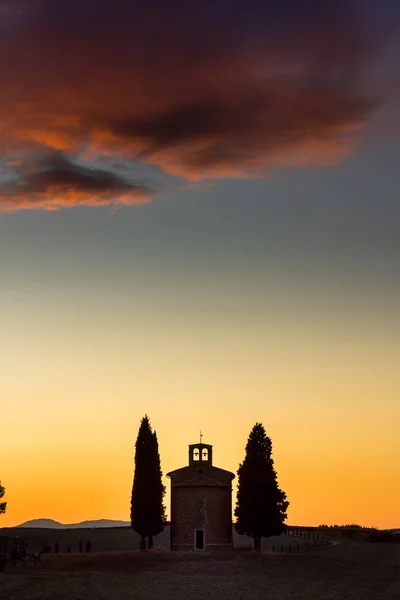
(156, 493)
(3, 505)
(147, 508)
(261, 505)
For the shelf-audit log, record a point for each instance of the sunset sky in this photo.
(200, 220)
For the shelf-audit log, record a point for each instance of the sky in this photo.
(200, 220)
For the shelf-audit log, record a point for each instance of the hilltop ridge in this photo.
(52, 524)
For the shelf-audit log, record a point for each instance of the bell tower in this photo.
(200, 454)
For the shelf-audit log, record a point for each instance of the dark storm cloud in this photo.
(202, 90)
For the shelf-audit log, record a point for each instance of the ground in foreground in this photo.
(327, 574)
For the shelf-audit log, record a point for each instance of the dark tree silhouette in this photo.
(3, 505)
(261, 505)
(147, 507)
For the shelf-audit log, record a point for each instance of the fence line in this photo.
(308, 534)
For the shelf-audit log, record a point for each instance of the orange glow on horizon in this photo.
(72, 454)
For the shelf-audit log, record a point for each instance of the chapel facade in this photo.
(201, 503)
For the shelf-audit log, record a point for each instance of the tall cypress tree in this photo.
(147, 508)
(261, 505)
(156, 493)
(3, 505)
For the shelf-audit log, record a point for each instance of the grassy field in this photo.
(349, 571)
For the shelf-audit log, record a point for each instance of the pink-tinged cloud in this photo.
(55, 182)
(201, 91)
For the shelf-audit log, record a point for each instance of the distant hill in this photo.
(51, 524)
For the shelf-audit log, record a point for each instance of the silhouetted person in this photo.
(88, 546)
(56, 548)
(69, 549)
(80, 545)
